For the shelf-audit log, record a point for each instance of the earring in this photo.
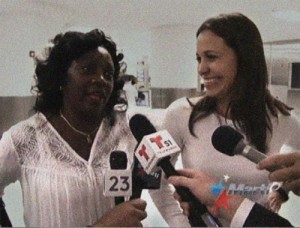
(60, 88)
(101, 77)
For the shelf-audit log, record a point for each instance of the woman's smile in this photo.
(212, 82)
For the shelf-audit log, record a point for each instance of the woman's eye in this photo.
(108, 75)
(211, 57)
(86, 69)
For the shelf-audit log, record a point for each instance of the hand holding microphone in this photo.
(118, 183)
(192, 179)
(127, 214)
(155, 149)
(288, 169)
(230, 142)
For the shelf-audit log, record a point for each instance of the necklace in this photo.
(86, 135)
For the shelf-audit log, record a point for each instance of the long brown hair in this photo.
(251, 97)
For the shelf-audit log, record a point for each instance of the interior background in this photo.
(160, 31)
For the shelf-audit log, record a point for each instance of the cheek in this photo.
(229, 71)
(108, 88)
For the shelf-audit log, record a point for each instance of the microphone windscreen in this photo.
(118, 160)
(140, 126)
(225, 139)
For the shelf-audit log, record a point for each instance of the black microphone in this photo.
(230, 142)
(4, 219)
(140, 126)
(141, 180)
(137, 184)
(118, 160)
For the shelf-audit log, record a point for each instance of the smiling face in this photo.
(217, 65)
(89, 82)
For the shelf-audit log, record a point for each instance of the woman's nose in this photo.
(202, 68)
(98, 77)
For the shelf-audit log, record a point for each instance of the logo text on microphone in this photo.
(154, 147)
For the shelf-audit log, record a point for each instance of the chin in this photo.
(211, 93)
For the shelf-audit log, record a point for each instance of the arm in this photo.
(238, 208)
(285, 139)
(193, 179)
(167, 206)
(260, 216)
(10, 168)
(163, 198)
(10, 171)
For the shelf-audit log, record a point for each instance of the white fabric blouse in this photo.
(199, 153)
(59, 187)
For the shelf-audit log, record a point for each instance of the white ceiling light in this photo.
(287, 15)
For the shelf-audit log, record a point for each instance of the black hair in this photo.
(51, 72)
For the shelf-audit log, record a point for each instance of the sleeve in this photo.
(168, 207)
(285, 139)
(259, 216)
(241, 213)
(176, 120)
(163, 198)
(10, 168)
(290, 130)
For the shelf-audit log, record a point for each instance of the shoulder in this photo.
(182, 106)
(183, 103)
(286, 122)
(27, 127)
(178, 112)
(285, 133)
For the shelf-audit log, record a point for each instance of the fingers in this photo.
(187, 173)
(293, 186)
(285, 174)
(139, 224)
(139, 204)
(288, 170)
(274, 201)
(278, 160)
(180, 181)
(185, 207)
(187, 178)
(177, 196)
(141, 215)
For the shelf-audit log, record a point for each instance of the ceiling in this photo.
(146, 14)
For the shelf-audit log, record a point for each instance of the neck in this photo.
(222, 108)
(82, 121)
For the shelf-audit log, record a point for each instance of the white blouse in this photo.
(199, 153)
(59, 187)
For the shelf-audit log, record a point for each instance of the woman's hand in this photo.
(127, 214)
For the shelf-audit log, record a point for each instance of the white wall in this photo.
(174, 56)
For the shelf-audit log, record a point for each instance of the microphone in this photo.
(4, 219)
(117, 179)
(230, 142)
(118, 160)
(155, 149)
(141, 180)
